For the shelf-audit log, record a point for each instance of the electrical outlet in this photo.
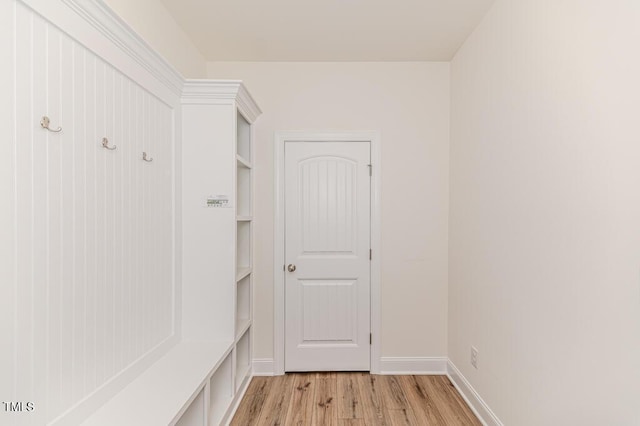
(474, 357)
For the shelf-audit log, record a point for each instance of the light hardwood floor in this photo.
(359, 399)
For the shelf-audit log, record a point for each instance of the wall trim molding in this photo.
(116, 32)
(119, 33)
(471, 396)
(263, 367)
(413, 365)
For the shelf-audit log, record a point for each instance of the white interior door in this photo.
(327, 255)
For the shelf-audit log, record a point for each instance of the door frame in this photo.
(373, 137)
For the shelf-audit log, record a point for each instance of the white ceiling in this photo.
(328, 30)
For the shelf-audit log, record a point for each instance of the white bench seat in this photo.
(162, 393)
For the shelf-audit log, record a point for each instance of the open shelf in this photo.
(242, 325)
(198, 384)
(243, 190)
(243, 362)
(243, 245)
(243, 138)
(243, 162)
(242, 272)
(243, 304)
(221, 391)
(194, 416)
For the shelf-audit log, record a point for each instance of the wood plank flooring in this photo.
(352, 399)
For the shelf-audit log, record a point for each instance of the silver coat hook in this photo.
(45, 125)
(105, 144)
(145, 158)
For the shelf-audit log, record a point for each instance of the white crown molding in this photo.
(197, 91)
(413, 365)
(118, 32)
(473, 399)
(247, 105)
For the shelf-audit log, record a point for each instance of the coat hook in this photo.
(45, 125)
(145, 158)
(105, 144)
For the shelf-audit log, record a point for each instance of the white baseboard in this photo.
(476, 403)
(413, 365)
(263, 367)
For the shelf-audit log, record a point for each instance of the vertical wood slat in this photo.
(129, 270)
(118, 225)
(91, 229)
(7, 209)
(153, 276)
(166, 117)
(79, 209)
(108, 254)
(40, 235)
(92, 242)
(24, 211)
(101, 238)
(145, 223)
(68, 141)
(54, 207)
(138, 221)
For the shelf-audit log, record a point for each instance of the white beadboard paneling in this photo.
(7, 208)
(66, 182)
(109, 229)
(23, 208)
(115, 136)
(91, 196)
(90, 248)
(80, 223)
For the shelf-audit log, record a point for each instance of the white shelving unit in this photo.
(218, 282)
(243, 358)
(194, 416)
(243, 305)
(244, 250)
(221, 391)
(200, 380)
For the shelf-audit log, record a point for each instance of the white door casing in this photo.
(327, 245)
(373, 137)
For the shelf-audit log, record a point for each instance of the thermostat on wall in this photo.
(217, 201)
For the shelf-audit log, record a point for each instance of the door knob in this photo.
(291, 268)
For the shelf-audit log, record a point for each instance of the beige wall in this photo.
(151, 20)
(409, 104)
(545, 211)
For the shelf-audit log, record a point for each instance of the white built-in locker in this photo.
(88, 225)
